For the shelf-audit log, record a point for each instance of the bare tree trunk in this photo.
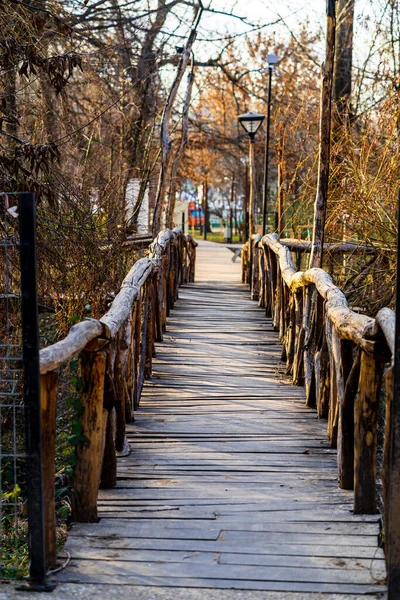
(165, 136)
(281, 224)
(343, 56)
(325, 140)
(185, 128)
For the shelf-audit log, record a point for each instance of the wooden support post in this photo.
(346, 427)
(342, 357)
(365, 434)
(143, 323)
(138, 342)
(164, 283)
(278, 301)
(268, 284)
(159, 307)
(261, 283)
(389, 376)
(150, 329)
(48, 396)
(282, 311)
(298, 372)
(333, 412)
(86, 477)
(108, 477)
(192, 272)
(254, 291)
(119, 391)
(244, 260)
(309, 343)
(322, 375)
(291, 336)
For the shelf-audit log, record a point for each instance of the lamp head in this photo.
(251, 122)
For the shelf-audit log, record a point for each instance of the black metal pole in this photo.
(392, 527)
(246, 203)
(265, 197)
(205, 209)
(32, 407)
(231, 208)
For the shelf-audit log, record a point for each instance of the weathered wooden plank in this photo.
(231, 482)
(81, 551)
(243, 576)
(248, 546)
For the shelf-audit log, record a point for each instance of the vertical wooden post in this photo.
(333, 412)
(254, 291)
(291, 336)
(86, 477)
(108, 477)
(346, 428)
(159, 306)
(365, 435)
(342, 356)
(282, 312)
(48, 395)
(309, 340)
(321, 198)
(298, 373)
(281, 224)
(193, 265)
(322, 373)
(389, 376)
(119, 391)
(150, 329)
(261, 283)
(392, 525)
(278, 299)
(164, 276)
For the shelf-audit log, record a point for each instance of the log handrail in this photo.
(349, 324)
(338, 354)
(54, 356)
(115, 355)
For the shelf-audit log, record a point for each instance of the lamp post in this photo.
(245, 200)
(251, 123)
(272, 59)
(231, 206)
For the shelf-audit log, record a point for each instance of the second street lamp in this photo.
(251, 123)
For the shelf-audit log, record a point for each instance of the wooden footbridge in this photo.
(231, 482)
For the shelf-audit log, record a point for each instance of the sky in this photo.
(291, 14)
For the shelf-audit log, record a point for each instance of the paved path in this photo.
(231, 484)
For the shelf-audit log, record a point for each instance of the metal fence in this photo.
(22, 554)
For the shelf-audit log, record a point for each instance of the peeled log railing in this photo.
(339, 355)
(116, 355)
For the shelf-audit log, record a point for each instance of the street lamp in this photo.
(251, 123)
(272, 59)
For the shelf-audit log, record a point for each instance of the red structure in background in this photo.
(196, 216)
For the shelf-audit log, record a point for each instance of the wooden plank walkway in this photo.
(231, 483)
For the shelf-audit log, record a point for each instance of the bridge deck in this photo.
(231, 482)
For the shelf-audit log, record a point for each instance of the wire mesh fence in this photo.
(14, 526)
(22, 551)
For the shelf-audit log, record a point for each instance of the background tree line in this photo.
(96, 94)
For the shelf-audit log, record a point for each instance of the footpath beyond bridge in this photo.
(231, 482)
